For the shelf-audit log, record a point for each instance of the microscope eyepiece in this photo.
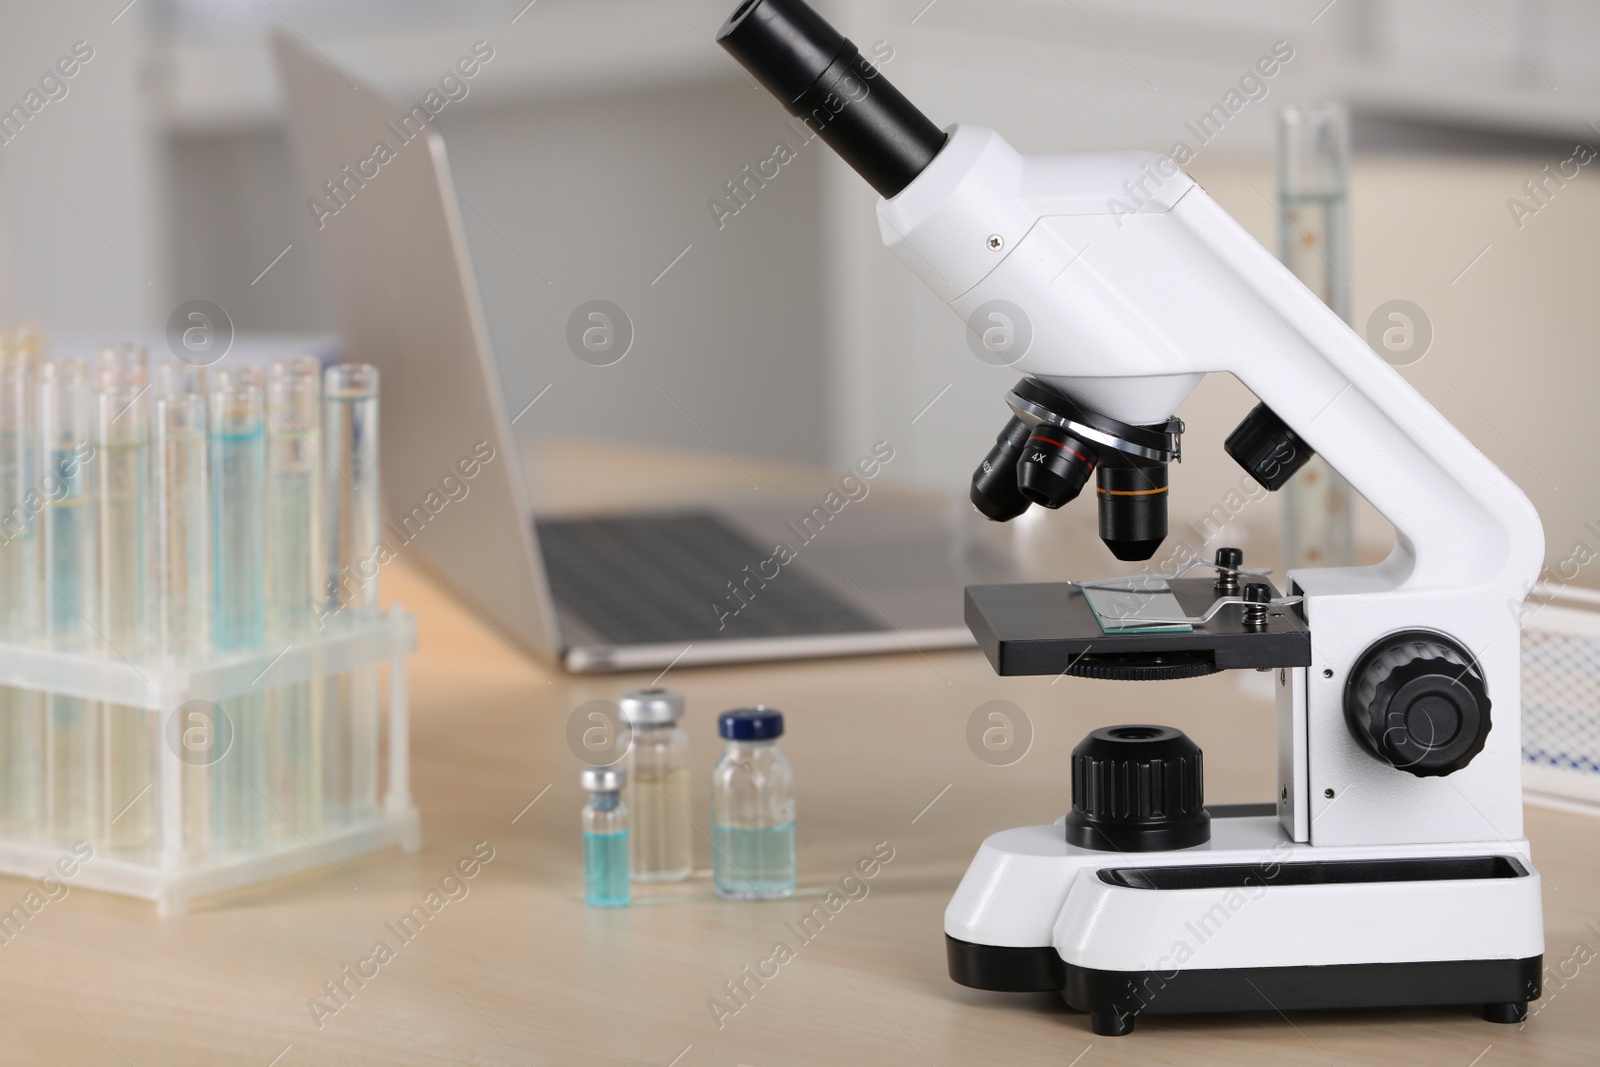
(825, 82)
(788, 47)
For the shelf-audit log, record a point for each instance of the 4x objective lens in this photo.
(1054, 467)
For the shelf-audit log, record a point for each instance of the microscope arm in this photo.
(1135, 284)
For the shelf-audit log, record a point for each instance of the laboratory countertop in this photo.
(513, 968)
(510, 967)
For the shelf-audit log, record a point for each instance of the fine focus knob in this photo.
(1137, 789)
(1418, 701)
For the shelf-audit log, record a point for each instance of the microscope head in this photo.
(1053, 443)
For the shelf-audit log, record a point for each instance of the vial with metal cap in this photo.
(605, 839)
(657, 793)
(752, 809)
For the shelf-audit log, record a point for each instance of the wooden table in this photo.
(518, 971)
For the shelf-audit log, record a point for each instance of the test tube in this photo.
(294, 580)
(238, 601)
(1314, 243)
(350, 433)
(72, 724)
(179, 469)
(21, 710)
(181, 575)
(120, 475)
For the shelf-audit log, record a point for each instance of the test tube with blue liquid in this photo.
(350, 589)
(294, 575)
(181, 572)
(238, 595)
(67, 540)
(120, 475)
(21, 710)
(605, 839)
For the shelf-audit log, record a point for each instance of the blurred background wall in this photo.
(590, 147)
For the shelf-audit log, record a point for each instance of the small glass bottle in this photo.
(658, 786)
(605, 839)
(752, 809)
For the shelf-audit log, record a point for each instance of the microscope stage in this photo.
(1049, 628)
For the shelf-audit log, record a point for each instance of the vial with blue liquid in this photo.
(752, 809)
(605, 839)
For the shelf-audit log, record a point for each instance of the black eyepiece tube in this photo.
(823, 80)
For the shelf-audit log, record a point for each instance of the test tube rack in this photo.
(163, 872)
(1561, 698)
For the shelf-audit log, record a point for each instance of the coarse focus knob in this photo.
(1419, 702)
(1137, 789)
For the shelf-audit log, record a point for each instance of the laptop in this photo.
(813, 575)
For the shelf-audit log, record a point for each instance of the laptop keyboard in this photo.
(655, 579)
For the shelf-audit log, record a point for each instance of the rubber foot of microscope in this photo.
(1511, 1011)
(1111, 1023)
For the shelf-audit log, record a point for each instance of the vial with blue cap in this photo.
(752, 809)
(605, 839)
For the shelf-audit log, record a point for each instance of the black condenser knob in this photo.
(1137, 789)
(1419, 702)
(1267, 448)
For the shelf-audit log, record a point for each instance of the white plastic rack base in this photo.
(164, 873)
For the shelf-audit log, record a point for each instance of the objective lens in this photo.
(1054, 466)
(994, 483)
(1133, 509)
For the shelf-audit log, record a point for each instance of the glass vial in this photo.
(658, 786)
(1314, 243)
(605, 839)
(752, 809)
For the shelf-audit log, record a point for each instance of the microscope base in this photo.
(1114, 999)
(1249, 921)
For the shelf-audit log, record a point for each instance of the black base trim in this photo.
(1005, 970)
(1242, 811)
(1501, 989)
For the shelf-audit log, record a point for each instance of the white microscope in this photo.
(1391, 869)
